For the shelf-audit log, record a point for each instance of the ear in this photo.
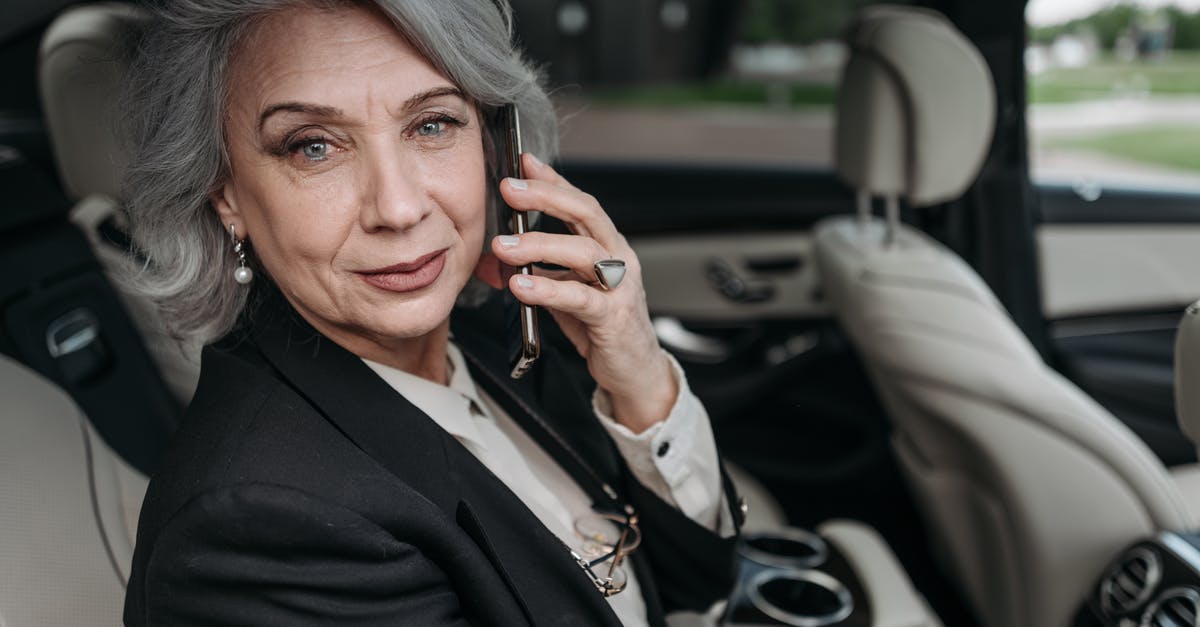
(224, 202)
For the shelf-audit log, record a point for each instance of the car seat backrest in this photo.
(1028, 486)
(68, 509)
(83, 61)
(81, 66)
(59, 314)
(915, 109)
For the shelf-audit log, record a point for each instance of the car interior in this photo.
(949, 394)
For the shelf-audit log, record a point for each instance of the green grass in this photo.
(1176, 147)
(1177, 75)
(720, 92)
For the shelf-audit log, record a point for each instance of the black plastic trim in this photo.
(658, 198)
(1061, 204)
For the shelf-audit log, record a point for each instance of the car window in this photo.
(737, 83)
(1114, 93)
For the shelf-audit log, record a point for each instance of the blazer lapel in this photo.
(362, 406)
(555, 590)
(412, 447)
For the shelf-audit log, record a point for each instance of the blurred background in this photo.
(1113, 85)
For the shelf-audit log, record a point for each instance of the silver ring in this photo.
(609, 273)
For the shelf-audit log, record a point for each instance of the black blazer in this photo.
(302, 489)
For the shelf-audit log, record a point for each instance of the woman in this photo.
(310, 180)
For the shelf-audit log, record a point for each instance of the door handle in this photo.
(690, 345)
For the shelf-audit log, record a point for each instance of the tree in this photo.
(1109, 24)
(1187, 28)
(796, 21)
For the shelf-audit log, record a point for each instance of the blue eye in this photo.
(315, 150)
(431, 128)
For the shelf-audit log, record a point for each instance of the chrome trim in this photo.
(793, 346)
(72, 332)
(813, 541)
(1087, 188)
(688, 344)
(1186, 592)
(1152, 579)
(814, 577)
(1182, 549)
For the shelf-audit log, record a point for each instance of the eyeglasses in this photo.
(607, 538)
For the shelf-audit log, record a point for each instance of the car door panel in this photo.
(1090, 269)
(666, 198)
(1126, 364)
(752, 275)
(788, 398)
(1117, 268)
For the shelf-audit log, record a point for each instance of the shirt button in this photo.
(663, 448)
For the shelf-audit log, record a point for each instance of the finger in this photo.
(533, 168)
(585, 303)
(567, 204)
(576, 253)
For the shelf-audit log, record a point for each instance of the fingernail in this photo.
(524, 282)
(518, 184)
(536, 162)
(509, 241)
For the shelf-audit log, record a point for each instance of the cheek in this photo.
(471, 220)
(303, 225)
(469, 213)
(456, 183)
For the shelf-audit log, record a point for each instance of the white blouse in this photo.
(675, 458)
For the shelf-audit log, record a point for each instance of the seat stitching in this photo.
(89, 458)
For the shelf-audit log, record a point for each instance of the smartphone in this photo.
(506, 139)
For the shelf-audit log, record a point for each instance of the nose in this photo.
(393, 195)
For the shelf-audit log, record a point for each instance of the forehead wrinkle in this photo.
(427, 85)
(292, 35)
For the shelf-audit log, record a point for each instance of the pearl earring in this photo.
(243, 275)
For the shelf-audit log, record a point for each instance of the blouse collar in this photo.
(450, 406)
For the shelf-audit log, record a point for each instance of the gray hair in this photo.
(173, 120)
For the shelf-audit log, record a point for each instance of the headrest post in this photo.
(863, 200)
(892, 215)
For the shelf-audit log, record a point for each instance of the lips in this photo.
(408, 276)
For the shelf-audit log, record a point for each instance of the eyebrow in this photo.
(436, 92)
(333, 112)
(298, 107)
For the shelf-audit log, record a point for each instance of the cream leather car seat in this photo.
(1028, 486)
(81, 67)
(68, 510)
(68, 504)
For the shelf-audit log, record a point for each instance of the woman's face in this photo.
(357, 173)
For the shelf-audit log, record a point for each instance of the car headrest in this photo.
(916, 108)
(1187, 373)
(80, 72)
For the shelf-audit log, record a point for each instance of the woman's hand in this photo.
(610, 328)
